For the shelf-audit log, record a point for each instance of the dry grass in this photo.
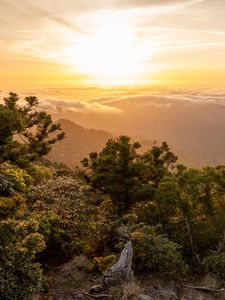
(131, 290)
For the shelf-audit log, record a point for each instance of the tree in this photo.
(26, 133)
(159, 161)
(196, 198)
(117, 171)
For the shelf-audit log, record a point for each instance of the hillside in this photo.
(129, 214)
(194, 130)
(79, 142)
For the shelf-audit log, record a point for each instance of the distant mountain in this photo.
(194, 130)
(79, 142)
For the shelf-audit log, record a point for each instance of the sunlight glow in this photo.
(111, 55)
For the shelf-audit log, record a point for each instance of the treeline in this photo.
(174, 216)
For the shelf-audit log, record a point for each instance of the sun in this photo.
(111, 54)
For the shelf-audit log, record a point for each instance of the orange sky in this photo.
(54, 43)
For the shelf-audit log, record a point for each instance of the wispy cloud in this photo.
(51, 31)
(165, 96)
(63, 106)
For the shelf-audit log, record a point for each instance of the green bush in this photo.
(19, 179)
(215, 264)
(39, 173)
(103, 263)
(73, 218)
(154, 251)
(20, 276)
(13, 206)
(5, 186)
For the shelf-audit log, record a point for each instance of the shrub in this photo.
(5, 186)
(154, 251)
(215, 264)
(19, 179)
(13, 206)
(73, 218)
(103, 263)
(20, 276)
(39, 173)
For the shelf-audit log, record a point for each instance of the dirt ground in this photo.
(73, 280)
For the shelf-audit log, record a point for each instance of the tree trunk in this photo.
(194, 254)
(120, 272)
(221, 244)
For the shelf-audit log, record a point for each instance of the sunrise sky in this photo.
(67, 43)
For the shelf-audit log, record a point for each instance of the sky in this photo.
(103, 43)
(153, 69)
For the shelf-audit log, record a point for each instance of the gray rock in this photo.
(144, 297)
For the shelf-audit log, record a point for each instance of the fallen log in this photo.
(204, 288)
(99, 296)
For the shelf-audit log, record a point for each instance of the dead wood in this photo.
(204, 288)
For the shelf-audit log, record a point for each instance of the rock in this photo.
(144, 297)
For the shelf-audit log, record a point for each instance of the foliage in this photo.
(34, 130)
(10, 124)
(18, 178)
(117, 171)
(215, 264)
(5, 186)
(154, 251)
(125, 175)
(195, 199)
(172, 214)
(73, 218)
(39, 173)
(11, 206)
(159, 161)
(20, 277)
(102, 263)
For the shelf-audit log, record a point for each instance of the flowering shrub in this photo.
(102, 263)
(19, 179)
(20, 277)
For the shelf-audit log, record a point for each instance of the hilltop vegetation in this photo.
(174, 216)
(79, 142)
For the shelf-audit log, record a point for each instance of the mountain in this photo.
(194, 130)
(79, 142)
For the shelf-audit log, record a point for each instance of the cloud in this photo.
(166, 97)
(63, 106)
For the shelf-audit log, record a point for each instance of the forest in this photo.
(173, 215)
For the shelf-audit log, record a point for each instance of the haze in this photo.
(154, 69)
